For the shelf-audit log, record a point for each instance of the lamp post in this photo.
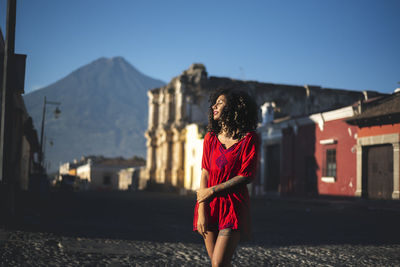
(57, 112)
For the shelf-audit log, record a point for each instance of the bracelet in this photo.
(213, 189)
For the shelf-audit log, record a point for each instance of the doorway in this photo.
(378, 172)
(272, 168)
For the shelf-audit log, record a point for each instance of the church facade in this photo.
(178, 114)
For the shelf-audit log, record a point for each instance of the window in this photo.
(330, 163)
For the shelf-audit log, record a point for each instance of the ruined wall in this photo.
(181, 102)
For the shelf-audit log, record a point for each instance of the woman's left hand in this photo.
(204, 193)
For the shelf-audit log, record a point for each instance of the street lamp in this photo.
(57, 113)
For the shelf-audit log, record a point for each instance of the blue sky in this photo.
(348, 44)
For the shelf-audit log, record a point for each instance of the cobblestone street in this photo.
(152, 229)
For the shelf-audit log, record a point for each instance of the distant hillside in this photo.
(104, 111)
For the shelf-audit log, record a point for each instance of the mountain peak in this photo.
(104, 61)
(104, 111)
(113, 66)
(116, 59)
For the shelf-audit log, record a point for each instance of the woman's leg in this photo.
(225, 246)
(209, 241)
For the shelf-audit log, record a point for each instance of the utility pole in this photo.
(41, 135)
(7, 109)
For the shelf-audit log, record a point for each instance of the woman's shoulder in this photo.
(209, 135)
(252, 136)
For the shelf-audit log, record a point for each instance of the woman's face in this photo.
(218, 107)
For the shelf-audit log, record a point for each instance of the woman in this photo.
(229, 163)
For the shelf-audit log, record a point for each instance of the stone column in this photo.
(153, 109)
(159, 153)
(159, 133)
(150, 134)
(151, 155)
(359, 170)
(178, 157)
(166, 103)
(166, 156)
(180, 103)
(396, 171)
(170, 106)
(161, 109)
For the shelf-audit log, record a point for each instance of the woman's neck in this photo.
(226, 134)
(224, 131)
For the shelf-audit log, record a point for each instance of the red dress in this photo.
(229, 208)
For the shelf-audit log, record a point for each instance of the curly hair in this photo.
(239, 116)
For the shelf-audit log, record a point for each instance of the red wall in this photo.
(303, 158)
(300, 148)
(346, 158)
(379, 130)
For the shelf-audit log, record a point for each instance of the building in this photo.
(310, 155)
(70, 167)
(178, 117)
(131, 179)
(21, 146)
(378, 156)
(28, 149)
(100, 173)
(192, 155)
(352, 151)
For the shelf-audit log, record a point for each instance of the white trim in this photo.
(327, 141)
(329, 179)
(319, 118)
(338, 113)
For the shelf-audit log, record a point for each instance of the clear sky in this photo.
(348, 44)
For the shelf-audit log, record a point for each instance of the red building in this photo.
(351, 151)
(313, 155)
(378, 153)
(322, 153)
(336, 154)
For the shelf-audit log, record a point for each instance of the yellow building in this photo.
(193, 155)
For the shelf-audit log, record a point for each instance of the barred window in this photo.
(330, 163)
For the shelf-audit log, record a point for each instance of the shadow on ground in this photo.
(165, 217)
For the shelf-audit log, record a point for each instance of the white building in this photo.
(106, 173)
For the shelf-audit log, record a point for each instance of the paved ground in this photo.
(153, 229)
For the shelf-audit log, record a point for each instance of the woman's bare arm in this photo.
(237, 180)
(202, 218)
(204, 194)
(203, 184)
(204, 178)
